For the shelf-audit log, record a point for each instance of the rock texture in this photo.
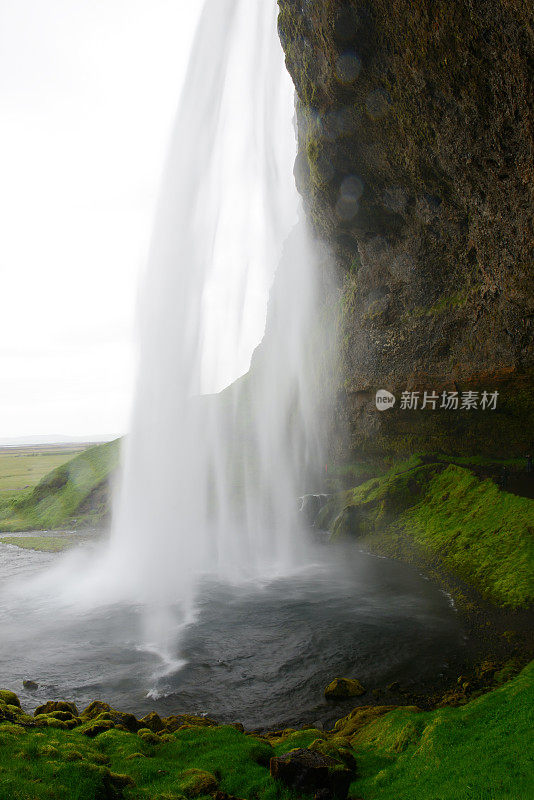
(416, 164)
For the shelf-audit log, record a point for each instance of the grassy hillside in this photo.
(477, 531)
(73, 494)
(480, 751)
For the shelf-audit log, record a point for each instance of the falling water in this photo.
(210, 480)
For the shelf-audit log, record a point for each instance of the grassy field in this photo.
(23, 467)
(480, 751)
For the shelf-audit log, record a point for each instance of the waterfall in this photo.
(219, 447)
(210, 481)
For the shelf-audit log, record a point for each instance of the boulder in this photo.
(94, 709)
(338, 749)
(153, 722)
(9, 698)
(15, 714)
(122, 721)
(30, 686)
(113, 785)
(63, 720)
(56, 705)
(46, 721)
(177, 721)
(149, 736)
(343, 688)
(92, 729)
(312, 772)
(197, 783)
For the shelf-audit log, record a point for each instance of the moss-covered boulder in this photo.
(177, 721)
(153, 722)
(335, 747)
(53, 706)
(94, 709)
(149, 736)
(96, 727)
(197, 783)
(343, 688)
(9, 698)
(347, 726)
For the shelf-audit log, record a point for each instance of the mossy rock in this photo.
(153, 722)
(49, 751)
(197, 783)
(94, 728)
(73, 755)
(9, 698)
(15, 714)
(53, 706)
(63, 715)
(359, 718)
(48, 721)
(149, 736)
(177, 721)
(112, 784)
(343, 688)
(94, 709)
(121, 721)
(335, 750)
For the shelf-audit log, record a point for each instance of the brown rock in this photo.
(308, 771)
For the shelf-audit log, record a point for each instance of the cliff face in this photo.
(416, 164)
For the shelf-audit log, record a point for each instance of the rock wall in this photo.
(415, 160)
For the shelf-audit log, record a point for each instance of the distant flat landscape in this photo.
(23, 466)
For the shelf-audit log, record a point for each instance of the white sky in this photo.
(88, 93)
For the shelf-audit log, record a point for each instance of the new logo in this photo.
(384, 400)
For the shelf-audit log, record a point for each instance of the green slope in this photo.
(72, 495)
(481, 534)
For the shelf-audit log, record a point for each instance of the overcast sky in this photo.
(88, 92)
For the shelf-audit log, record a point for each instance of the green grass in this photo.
(480, 751)
(66, 765)
(55, 501)
(481, 534)
(24, 467)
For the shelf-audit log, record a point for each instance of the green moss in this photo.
(446, 303)
(481, 534)
(481, 750)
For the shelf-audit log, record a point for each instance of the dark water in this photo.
(257, 655)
